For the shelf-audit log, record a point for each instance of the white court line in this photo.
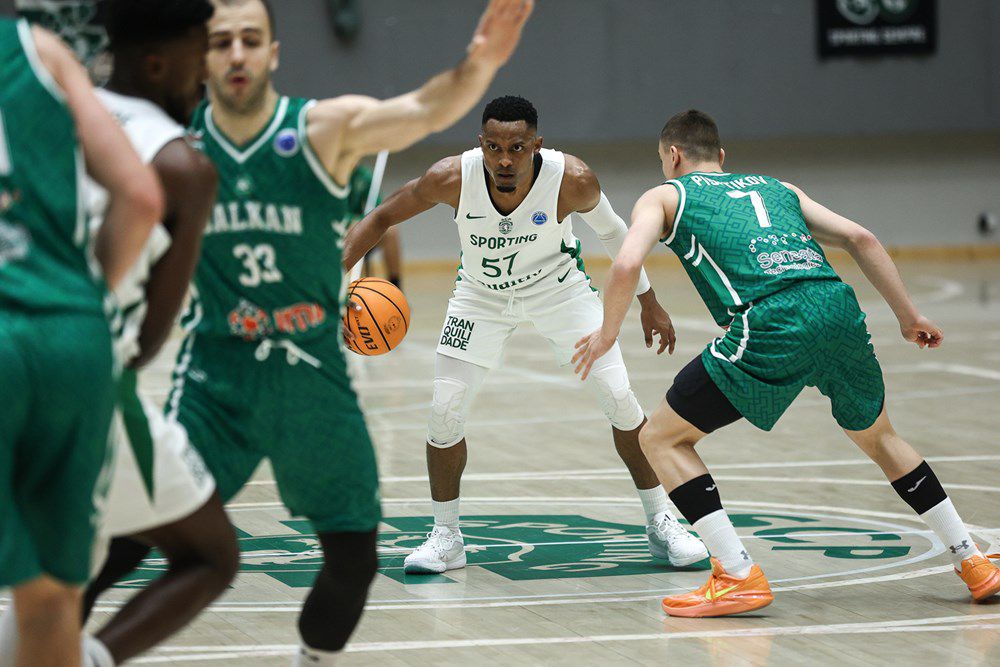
(939, 624)
(619, 473)
(557, 599)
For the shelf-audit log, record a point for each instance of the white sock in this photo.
(654, 501)
(8, 635)
(947, 525)
(718, 534)
(95, 653)
(446, 513)
(311, 657)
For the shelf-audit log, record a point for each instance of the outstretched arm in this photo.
(135, 200)
(830, 228)
(345, 129)
(189, 183)
(648, 221)
(442, 184)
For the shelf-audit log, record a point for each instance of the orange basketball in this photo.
(383, 320)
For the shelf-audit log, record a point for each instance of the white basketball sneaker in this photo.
(443, 550)
(669, 540)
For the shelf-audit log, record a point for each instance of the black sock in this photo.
(696, 498)
(920, 488)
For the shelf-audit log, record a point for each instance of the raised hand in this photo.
(499, 31)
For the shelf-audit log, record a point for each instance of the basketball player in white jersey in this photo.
(520, 262)
(160, 491)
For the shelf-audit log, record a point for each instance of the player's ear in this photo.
(275, 55)
(722, 156)
(154, 67)
(538, 143)
(481, 141)
(675, 156)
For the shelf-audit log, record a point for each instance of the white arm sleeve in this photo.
(611, 229)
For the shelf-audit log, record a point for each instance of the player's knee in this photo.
(46, 601)
(658, 435)
(446, 427)
(617, 400)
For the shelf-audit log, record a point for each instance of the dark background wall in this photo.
(909, 146)
(615, 69)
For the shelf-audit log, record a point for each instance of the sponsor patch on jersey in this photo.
(249, 322)
(506, 226)
(539, 218)
(286, 144)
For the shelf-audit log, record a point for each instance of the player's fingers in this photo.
(648, 334)
(664, 341)
(582, 341)
(579, 354)
(586, 370)
(673, 340)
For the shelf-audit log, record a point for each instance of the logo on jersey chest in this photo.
(506, 226)
(286, 143)
(539, 218)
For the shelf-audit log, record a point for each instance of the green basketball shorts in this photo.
(243, 402)
(810, 334)
(58, 396)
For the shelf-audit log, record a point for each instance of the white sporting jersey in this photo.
(515, 251)
(149, 129)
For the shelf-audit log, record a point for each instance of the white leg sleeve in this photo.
(609, 379)
(456, 384)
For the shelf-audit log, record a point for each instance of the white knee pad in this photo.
(616, 397)
(447, 423)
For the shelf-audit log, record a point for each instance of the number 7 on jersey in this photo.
(763, 219)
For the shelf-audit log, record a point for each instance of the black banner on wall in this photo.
(876, 27)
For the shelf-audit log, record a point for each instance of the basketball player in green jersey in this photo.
(751, 245)
(262, 372)
(54, 337)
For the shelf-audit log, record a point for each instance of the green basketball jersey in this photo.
(43, 231)
(270, 262)
(361, 184)
(740, 238)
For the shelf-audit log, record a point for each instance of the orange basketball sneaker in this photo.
(722, 595)
(981, 576)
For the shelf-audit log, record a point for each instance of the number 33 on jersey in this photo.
(271, 251)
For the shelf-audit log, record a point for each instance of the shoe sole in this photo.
(419, 569)
(986, 594)
(713, 609)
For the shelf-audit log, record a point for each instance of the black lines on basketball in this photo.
(375, 322)
(399, 310)
(354, 343)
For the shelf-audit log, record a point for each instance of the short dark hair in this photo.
(510, 109)
(695, 133)
(133, 23)
(267, 7)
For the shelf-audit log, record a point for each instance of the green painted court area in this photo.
(551, 546)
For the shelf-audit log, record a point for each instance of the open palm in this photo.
(499, 31)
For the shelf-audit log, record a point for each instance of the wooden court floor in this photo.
(559, 573)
